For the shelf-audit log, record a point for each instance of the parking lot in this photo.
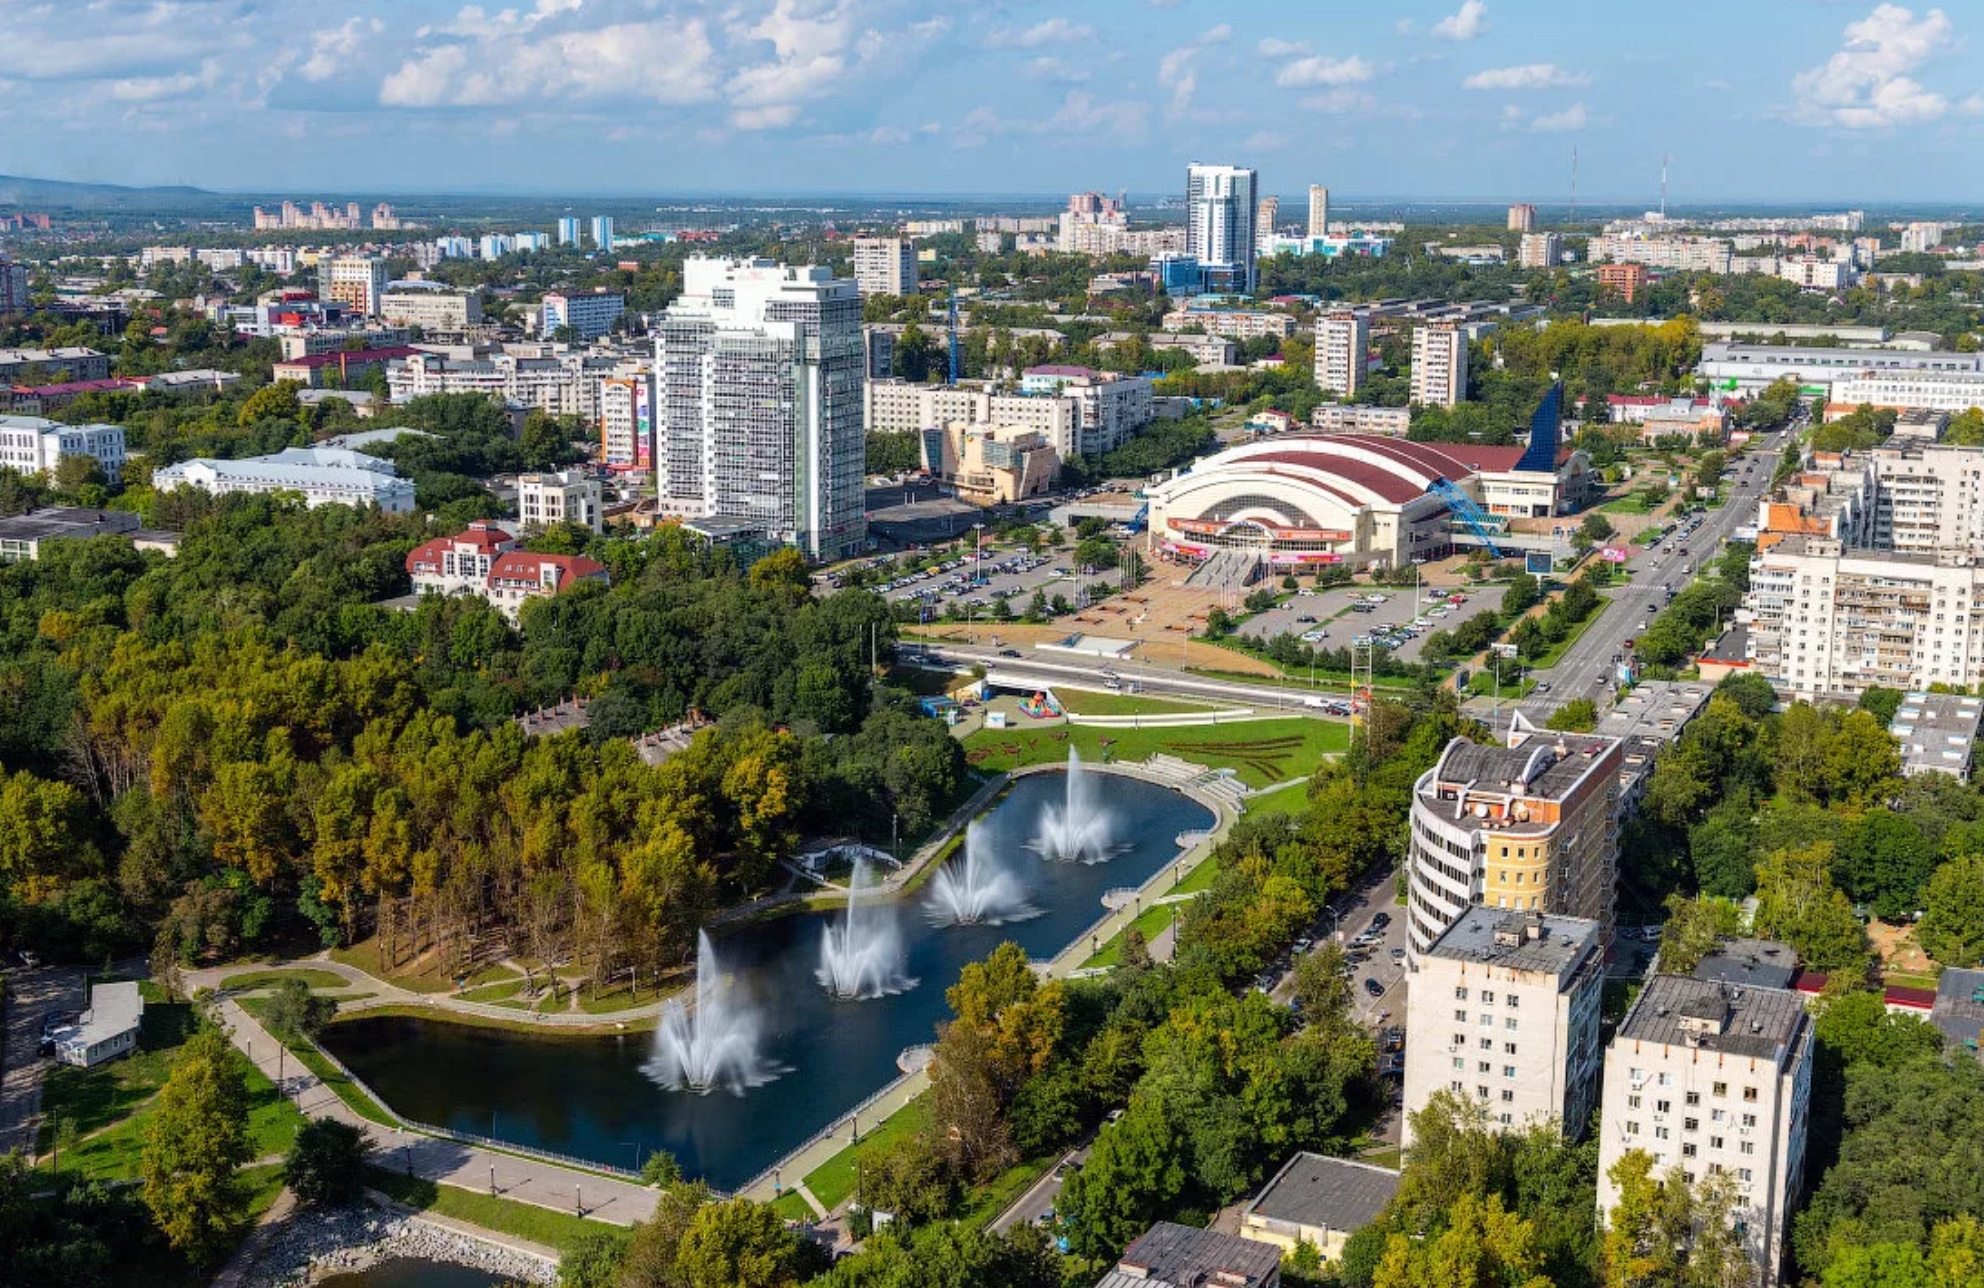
(1338, 624)
(969, 580)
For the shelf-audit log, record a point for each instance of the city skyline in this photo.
(1451, 99)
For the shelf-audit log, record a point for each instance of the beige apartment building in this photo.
(1503, 1010)
(1530, 825)
(1439, 365)
(1343, 351)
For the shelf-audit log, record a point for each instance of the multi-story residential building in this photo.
(759, 376)
(1353, 418)
(1266, 215)
(1220, 213)
(1687, 254)
(1078, 411)
(1928, 496)
(1503, 1010)
(1234, 324)
(1921, 238)
(1439, 365)
(1527, 826)
(880, 359)
(626, 420)
(356, 281)
(342, 367)
(1741, 367)
(1714, 1077)
(1540, 250)
(590, 314)
(1522, 218)
(36, 447)
(13, 286)
(1319, 211)
(496, 245)
(1110, 408)
(1629, 280)
(431, 306)
(1943, 391)
(485, 561)
(47, 366)
(989, 465)
(885, 265)
(1343, 351)
(320, 475)
(569, 496)
(1825, 619)
(1218, 350)
(304, 342)
(563, 384)
(1815, 273)
(568, 230)
(602, 231)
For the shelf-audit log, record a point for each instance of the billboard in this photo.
(644, 423)
(1613, 554)
(1539, 563)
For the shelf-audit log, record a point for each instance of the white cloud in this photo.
(1307, 73)
(1340, 102)
(1866, 85)
(1178, 70)
(1527, 76)
(152, 89)
(1571, 118)
(1469, 21)
(1273, 48)
(1054, 31)
(1081, 117)
(659, 61)
(330, 50)
(1049, 68)
(1265, 141)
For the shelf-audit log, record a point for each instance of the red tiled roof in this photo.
(483, 536)
(1350, 470)
(360, 356)
(521, 565)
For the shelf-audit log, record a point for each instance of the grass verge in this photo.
(271, 978)
(1261, 752)
(793, 1208)
(1084, 703)
(329, 1074)
(834, 1180)
(536, 1028)
(560, 1230)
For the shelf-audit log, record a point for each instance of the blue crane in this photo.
(1470, 514)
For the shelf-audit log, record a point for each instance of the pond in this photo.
(590, 1098)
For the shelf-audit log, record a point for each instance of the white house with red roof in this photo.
(485, 560)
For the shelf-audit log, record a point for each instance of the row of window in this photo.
(1638, 1078)
(1487, 997)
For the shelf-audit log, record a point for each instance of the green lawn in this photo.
(329, 1074)
(495, 992)
(793, 1208)
(987, 1201)
(115, 1154)
(833, 1180)
(1631, 503)
(1292, 799)
(365, 956)
(1151, 921)
(560, 1230)
(271, 978)
(1263, 752)
(1482, 684)
(1082, 702)
(96, 1098)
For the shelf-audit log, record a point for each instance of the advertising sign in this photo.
(644, 423)
(1612, 554)
(1538, 563)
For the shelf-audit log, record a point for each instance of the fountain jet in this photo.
(1079, 829)
(716, 1043)
(976, 889)
(861, 955)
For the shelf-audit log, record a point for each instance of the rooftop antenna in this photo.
(1574, 184)
(1664, 158)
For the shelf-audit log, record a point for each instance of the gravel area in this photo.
(314, 1245)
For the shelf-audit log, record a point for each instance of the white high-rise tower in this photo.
(1220, 216)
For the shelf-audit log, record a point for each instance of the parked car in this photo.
(1373, 987)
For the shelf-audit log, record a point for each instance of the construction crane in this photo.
(1470, 514)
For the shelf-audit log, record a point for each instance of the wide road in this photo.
(1092, 672)
(1588, 661)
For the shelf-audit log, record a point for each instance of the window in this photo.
(1460, 1016)
(1487, 1020)
(1484, 1067)
(1662, 1106)
(1487, 1044)
(1460, 1039)
(1508, 1048)
(1720, 1089)
(1455, 1086)
(1749, 1120)
(1715, 1142)
(1632, 1128)
(1743, 1174)
(1715, 1116)
(1666, 1079)
(1487, 998)
(1481, 1092)
(1749, 1093)
(1512, 999)
(1659, 1132)
(1746, 1147)
(1694, 1097)
(1691, 1124)
(1632, 1102)
(1460, 994)
(1687, 1149)
(1636, 1075)
(1510, 1024)
(1506, 1120)
(1460, 1063)
(1508, 1071)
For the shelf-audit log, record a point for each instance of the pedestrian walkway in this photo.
(445, 1162)
(386, 993)
(795, 1167)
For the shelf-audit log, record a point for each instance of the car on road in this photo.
(1543, 686)
(1010, 652)
(1373, 987)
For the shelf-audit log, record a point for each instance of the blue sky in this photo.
(1792, 100)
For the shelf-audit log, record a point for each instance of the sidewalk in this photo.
(796, 1166)
(446, 1162)
(386, 993)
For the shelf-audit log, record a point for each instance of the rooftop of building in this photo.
(114, 1008)
(113, 384)
(1748, 963)
(66, 521)
(1182, 1256)
(1937, 730)
(67, 354)
(1707, 1015)
(42, 425)
(1959, 1008)
(1527, 941)
(1328, 1193)
(345, 357)
(1655, 708)
(1541, 764)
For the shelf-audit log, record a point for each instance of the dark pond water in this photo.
(589, 1097)
(409, 1272)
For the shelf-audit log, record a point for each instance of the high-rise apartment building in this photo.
(1629, 280)
(568, 230)
(1319, 210)
(1922, 237)
(1522, 218)
(602, 231)
(1220, 213)
(13, 286)
(885, 265)
(1527, 826)
(1540, 250)
(1267, 215)
(626, 420)
(1439, 365)
(759, 374)
(356, 281)
(589, 314)
(1343, 346)
(1503, 1010)
(1712, 1078)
